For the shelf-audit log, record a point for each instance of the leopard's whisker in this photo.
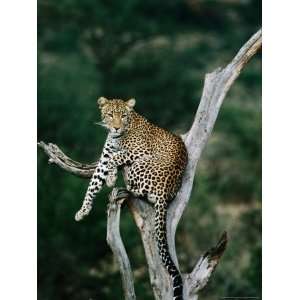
(101, 124)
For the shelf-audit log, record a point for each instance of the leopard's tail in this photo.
(162, 242)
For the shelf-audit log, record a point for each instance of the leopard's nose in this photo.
(116, 128)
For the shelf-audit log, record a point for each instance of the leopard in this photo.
(153, 161)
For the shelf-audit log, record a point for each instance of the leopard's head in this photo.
(115, 114)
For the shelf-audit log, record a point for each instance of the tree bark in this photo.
(115, 242)
(215, 89)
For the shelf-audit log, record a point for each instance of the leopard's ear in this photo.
(102, 101)
(130, 103)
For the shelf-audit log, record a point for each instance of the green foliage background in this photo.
(157, 52)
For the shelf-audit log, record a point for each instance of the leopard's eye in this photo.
(123, 116)
(110, 115)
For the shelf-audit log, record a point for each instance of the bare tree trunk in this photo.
(215, 89)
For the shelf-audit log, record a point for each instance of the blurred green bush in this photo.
(157, 52)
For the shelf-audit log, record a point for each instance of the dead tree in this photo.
(215, 89)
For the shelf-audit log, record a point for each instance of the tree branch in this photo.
(57, 157)
(115, 242)
(216, 86)
(207, 263)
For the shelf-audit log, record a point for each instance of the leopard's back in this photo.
(161, 158)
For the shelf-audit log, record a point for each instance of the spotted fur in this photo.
(152, 160)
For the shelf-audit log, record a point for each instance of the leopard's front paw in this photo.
(79, 216)
(82, 213)
(111, 179)
(119, 195)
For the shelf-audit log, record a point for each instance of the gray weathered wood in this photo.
(115, 242)
(215, 89)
